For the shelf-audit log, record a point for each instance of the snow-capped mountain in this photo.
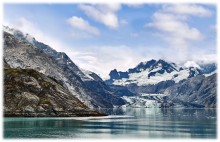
(152, 72)
(158, 77)
(24, 52)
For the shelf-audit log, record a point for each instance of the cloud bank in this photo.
(171, 21)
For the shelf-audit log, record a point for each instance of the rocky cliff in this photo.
(28, 93)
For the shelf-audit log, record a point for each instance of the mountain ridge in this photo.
(158, 70)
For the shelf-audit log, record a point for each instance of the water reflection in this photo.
(132, 122)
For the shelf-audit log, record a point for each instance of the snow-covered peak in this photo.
(153, 72)
(87, 74)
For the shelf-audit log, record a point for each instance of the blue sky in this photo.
(101, 37)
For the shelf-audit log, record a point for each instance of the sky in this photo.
(103, 37)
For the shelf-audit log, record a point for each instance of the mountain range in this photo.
(153, 72)
(178, 84)
(29, 64)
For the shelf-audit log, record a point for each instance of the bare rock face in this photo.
(199, 91)
(28, 93)
(28, 100)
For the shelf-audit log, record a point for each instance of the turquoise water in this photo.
(122, 123)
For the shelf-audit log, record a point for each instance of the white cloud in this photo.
(191, 64)
(205, 57)
(103, 13)
(201, 58)
(102, 59)
(111, 6)
(172, 24)
(83, 25)
(188, 9)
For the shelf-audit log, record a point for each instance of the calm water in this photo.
(122, 123)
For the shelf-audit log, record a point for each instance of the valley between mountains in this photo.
(41, 82)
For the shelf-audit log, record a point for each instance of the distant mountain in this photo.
(207, 68)
(24, 52)
(199, 91)
(186, 86)
(152, 72)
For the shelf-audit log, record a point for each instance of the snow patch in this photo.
(206, 75)
(87, 74)
(142, 78)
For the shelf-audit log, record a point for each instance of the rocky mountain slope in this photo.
(28, 93)
(207, 68)
(198, 91)
(22, 51)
